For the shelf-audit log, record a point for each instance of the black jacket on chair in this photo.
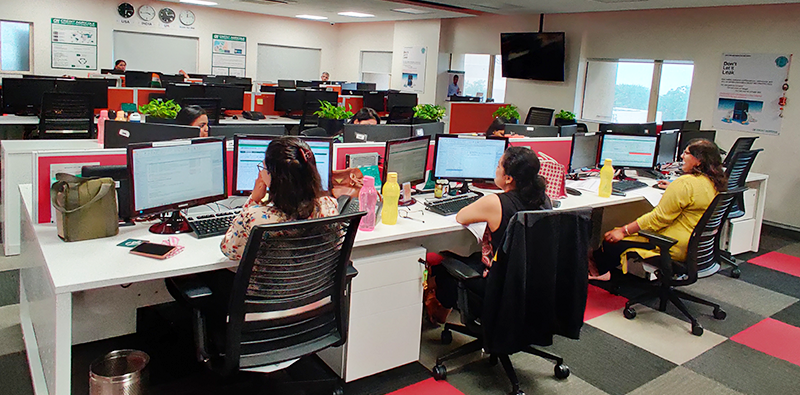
(537, 286)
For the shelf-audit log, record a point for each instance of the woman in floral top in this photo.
(289, 171)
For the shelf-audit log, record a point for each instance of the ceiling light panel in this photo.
(356, 14)
(312, 17)
(199, 2)
(412, 11)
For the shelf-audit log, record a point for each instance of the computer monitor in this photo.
(288, 100)
(427, 129)
(249, 151)
(313, 98)
(467, 158)
(628, 151)
(532, 130)
(672, 125)
(229, 130)
(286, 84)
(628, 128)
(667, 146)
(306, 84)
(567, 130)
(232, 96)
(122, 179)
(457, 98)
(378, 133)
(366, 86)
(119, 134)
(408, 158)
(375, 101)
(401, 115)
(398, 99)
(174, 175)
(583, 153)
(211, 105)
(138, 79)
(214, 79)
(95, 87)
(268, 88)
(24, 96)
(167, 79)
(688, 135)
(178, 92)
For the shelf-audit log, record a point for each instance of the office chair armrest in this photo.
(459, 270)
(190, 287)
(351, 272)
(663, 242)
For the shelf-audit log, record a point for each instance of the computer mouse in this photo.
(235, 117)
(573, 191)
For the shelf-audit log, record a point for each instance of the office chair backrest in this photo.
(288, 295)
(539, 116)
(400, 115)
(567, 130)
(315, 132)
(737, 171)
(582, 128)
(66, 116)
(741, 144)
(691, 125)
(704, 244)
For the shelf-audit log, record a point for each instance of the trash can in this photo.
(120, 372)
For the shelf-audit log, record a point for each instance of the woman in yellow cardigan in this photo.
(684, 202)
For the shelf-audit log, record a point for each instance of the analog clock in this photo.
(186, 18)
(167, 15)
(125, 10)
(147, 13)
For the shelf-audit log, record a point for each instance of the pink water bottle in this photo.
(367, 201)
(101, 126)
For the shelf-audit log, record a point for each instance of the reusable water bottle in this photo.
(367, 201)
(391, 195)
(606, 179)
(101, 126)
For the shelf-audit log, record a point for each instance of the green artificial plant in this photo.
(329, 111)
(160, 109)
(508, 112)
(564, 114)
(429, 111)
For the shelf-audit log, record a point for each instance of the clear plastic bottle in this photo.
(391, 195)
(367, 201)
(606, 179)
(101, 126)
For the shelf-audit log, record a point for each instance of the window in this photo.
(636, 91)
(15, 46)
(376, 67)
(483, 76)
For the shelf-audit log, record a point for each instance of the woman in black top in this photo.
(517, 174)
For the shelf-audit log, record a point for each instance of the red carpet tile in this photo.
(429, 387)
(599, 302)
(774, 338)
(780, 262)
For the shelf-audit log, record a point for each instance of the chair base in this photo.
(708, 271)
(669, 294)
(733, 270)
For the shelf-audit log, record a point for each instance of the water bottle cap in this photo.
(391, 176)
(369, 181)
(608, 161)
(104, 113)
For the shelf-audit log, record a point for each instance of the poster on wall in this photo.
(414, 68)
(73, 44)
(455, 83)
(752, 92)
(228, 55)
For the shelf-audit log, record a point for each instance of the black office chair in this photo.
(703, 251)
(547, 250)
(539, 116)
(582, 128)
(315, 132)
(741, 144)
(400, 115)
(66, 116)
(737, 171)
(289, 298)
(309, 120)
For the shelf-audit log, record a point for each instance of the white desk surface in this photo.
(11, 119)
(270, 120)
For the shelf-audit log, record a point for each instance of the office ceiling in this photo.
(386, 10)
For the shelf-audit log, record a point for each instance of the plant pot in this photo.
(506, 120)
(564, 122)
(332, 126)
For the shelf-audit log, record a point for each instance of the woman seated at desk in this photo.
(517, 174)
(680, 209)
(194, 116)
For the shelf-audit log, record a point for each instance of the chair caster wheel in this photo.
(338, 390)
(439, 372)
(447, 337)
(697, 330)
(629, 313)
(720, 314)
(736, 273)
(561, 371)
(516, 392)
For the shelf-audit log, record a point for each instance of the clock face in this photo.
(186, 17)
(167, 15)
(147, 13)
(125, 10)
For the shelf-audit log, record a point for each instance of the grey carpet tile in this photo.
(789, 315)
(9, 287)
(791, 249)
(746, 370)
(609, 363)
(10, 330)
(682, 381)
(738, 319)
(773, 241)
(771, 279)
(15, 377)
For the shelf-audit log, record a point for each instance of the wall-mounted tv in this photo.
(533, 56)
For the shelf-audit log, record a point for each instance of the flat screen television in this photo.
(533, 56)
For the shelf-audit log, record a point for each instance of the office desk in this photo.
(19, 120)
(270, 120)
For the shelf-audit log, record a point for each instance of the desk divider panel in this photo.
(265, 103)
(557, 148)
(356, 102)
(117, 96)
(466, 117)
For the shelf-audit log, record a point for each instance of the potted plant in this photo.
(160, 109)
(509, 113)
(331, 117)
(428, 113)
(565, 117)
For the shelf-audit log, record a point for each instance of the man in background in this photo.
(453, 89)
(325, 76)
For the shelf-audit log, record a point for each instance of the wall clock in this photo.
(187, 18)
(125, 10)
(147, 13)
(167, 15)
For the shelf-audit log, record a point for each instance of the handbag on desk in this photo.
(554, 173)
(346, 182)
(86, 208)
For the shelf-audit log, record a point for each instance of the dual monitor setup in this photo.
(23, 96)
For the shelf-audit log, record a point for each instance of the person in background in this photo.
(325, 76)
(497, 128)
(194, 116)
(366, 116)
(453, 89)
(120, 66)
(680, 209)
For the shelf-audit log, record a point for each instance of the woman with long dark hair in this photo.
(680, 209)
(193, 115)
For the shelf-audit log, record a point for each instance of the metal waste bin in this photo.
(120, 372)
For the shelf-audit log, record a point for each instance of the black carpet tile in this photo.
(771, 279)
(9, 287)
(15, 377)
(789, 315)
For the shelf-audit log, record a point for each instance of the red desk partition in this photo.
(117, 96)
(143, 94)
(470, 117)
(352, 103)
(557, 148)
(265, 103)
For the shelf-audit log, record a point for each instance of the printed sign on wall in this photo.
(228, 55)
(73, 44)
(752, 92)
(414, 68)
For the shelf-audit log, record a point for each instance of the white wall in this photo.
(698, 34)
(357, 37)
(423, 33)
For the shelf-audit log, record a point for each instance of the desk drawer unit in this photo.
(385, 312)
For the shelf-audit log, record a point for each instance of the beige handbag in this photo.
(86, 208)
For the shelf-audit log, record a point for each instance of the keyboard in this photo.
(627, 185)
(213, 224)
(451, 205)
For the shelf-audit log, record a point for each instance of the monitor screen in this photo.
(375, 101)
(232, 96)
(176, 174)
(397, 99)
(533, 56)
(24, 95)
(95, 87)
(178, 92)
(467, 158)
(584, 151)
(667, 146)
(408, 158)
(688, 135)
(138, 79)
(249, 151)
(628, 150)
(289, 100)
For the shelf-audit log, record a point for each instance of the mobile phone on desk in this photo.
(153, 250)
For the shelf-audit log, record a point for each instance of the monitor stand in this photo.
(655, 174)
(622, 176)
(171, 223)
(481, 185)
